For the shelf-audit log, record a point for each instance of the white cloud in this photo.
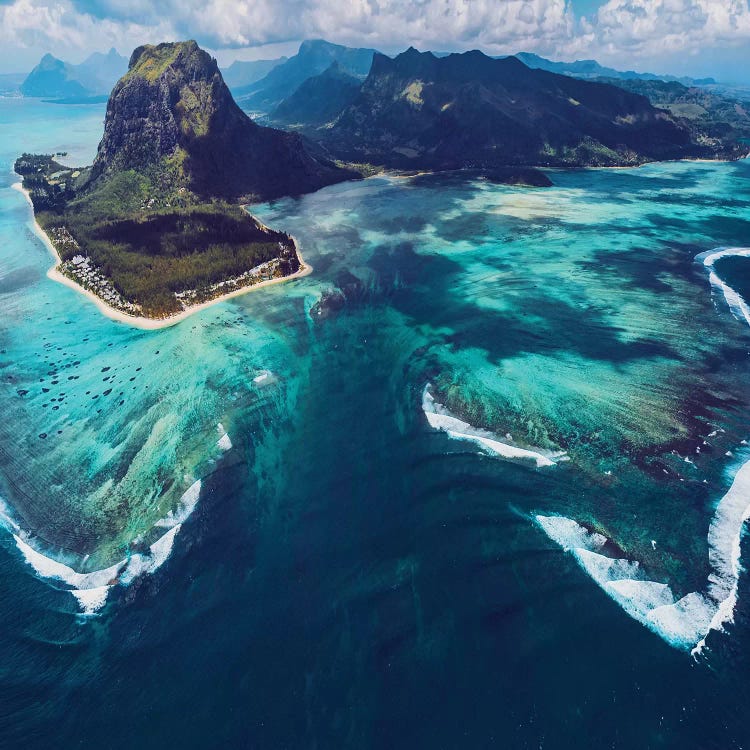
(37, 26)
(664, 27)
(635, 33)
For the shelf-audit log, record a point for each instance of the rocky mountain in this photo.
(592, 69)
(241, 73)
(172, 117)
(314, 56)
(319, 99)
(706, 111)
(53, 78)
(99, 72)
(470, 110)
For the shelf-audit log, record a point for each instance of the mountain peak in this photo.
(311, 45)
(50, 61)
(171, 115)
(150, 60)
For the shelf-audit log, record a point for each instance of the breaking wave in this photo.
(681, 622)
(687, 621)
(92, 589)
(737, 305)
(439, 418)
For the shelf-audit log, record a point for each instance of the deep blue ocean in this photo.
(477, 481)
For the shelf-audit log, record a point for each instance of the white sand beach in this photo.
(134, 320)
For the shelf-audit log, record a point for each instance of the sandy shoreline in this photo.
(148, 324)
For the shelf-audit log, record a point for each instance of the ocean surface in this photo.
(477, 481)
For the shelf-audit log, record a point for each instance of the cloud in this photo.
(58, 25)
(632, 32)
(664, 27)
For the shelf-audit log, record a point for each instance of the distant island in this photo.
(155, 227)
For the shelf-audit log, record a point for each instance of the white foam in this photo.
(146, 564)
(681, 623)
(91, 589)
(91, 600)
(604, 569)
(46, 567)
(725, 548)
(686, 621)
(570, 535)
(439, 418)
(737, 305)
(185, 506)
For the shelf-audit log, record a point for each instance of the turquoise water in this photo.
(351, 576)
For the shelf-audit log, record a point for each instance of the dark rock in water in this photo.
(330, 303)
(517, 176)
(349, 291)
(173, 114)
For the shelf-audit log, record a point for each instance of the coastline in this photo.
(396, 174)
(147, 324)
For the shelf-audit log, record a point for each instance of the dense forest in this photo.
(147, 248)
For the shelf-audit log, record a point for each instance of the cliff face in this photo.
(469, 110)
(172, 114)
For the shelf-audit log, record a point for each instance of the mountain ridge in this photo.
(55, 78)
(468, 110)
(313, 57)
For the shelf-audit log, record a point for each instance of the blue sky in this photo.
(692, 37)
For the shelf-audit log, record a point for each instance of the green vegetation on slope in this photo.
(146, 255)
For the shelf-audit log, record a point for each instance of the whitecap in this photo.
(683, 622)
(439, 418)
(46, 567)
(145, 564)
(569, 534)
(737, 305)
(185, 506)
(91, 600)
(91, 589)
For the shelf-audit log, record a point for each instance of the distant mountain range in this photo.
(468, 110)
(592, 69)
(241, 74)
(314, 57)
(319, 99)
(95, 76)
